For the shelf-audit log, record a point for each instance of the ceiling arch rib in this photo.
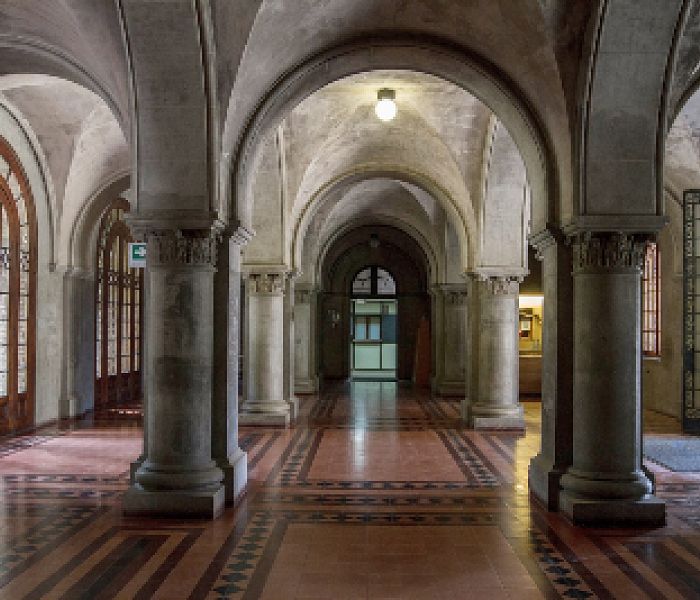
(456, 66)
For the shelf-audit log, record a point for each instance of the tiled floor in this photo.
(378, 492)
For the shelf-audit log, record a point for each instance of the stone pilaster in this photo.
(606, 483)
(494, 401)
(556, 448)
(178, 475)
(265, 403)
(305, 368)
(227, 328)
(452, 337)
(289, 328)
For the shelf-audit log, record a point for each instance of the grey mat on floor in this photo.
(676, 453)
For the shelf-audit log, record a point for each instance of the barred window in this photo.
(17, 294)
(118, 315)
(651, 302)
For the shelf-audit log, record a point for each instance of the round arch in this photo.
(458, 65)
(464, 226)
(383, 220)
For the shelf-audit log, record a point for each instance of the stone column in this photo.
(178, 475)
(78, 356)
(265, 403)
(289, 326)
(605, 484)
(228, 455)
(305, 371)
(494, 402)
(556, 450)
(452, 356)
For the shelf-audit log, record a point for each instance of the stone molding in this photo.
(240, 235)
(302, 296)
(266, 283)
(456, 297)
(609, 252)
(178, 249)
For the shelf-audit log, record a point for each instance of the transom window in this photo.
(17, 294)
(373, 281)
(651, 302)
(119, 315)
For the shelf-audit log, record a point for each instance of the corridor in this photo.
(378, 492)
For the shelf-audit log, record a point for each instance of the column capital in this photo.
(545, 239)
(609, 252)
(303, 295)
(269, 283)
(191, 248)
(500, 285)
(239, 234)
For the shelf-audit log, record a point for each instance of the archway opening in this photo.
(118, 318)
(373, 324)
(374, 309)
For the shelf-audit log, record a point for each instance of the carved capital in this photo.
(173, 248)
(456, 298)
(266, 283)
(501, 286)
(609, 252)
(544, 240)
(302, 296)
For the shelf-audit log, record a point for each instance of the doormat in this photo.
(680, 454)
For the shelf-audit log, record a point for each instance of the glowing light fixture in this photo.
(386, 107)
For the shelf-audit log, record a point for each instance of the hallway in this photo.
(377, 493)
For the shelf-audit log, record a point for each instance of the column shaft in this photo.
(606, 484)
(495, 403)
(227, 309)
(556, 451)
(265, 403)
(178, 475)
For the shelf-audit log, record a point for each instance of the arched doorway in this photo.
(373, 306)
(118, 315)
(373, 324)
(18, 240)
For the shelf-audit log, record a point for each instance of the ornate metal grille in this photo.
(17, 294)
(118, 315)
(691, 311)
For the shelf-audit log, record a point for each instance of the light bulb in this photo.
(386, 107)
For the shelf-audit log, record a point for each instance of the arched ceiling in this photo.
(79, 40)
(78, 139)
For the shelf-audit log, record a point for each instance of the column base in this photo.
(235, 470)
(451, 388)
(263, 414)
(293, 408)
(488, 417)
(306, 386)
(610, 499)
(135, 466)
(543, 480)
(205, 504)
(648, 511)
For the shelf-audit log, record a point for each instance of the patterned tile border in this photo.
(240, 576)
(294, 464)
(556, 569)
(58, 524)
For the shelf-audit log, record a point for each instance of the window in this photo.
(118, 315)
(373, 281)
(651, 301)
(17, 295)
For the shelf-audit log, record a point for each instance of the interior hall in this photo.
(341, 299)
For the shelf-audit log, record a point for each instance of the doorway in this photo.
(374, 339)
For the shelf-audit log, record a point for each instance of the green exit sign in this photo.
(137, 255)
